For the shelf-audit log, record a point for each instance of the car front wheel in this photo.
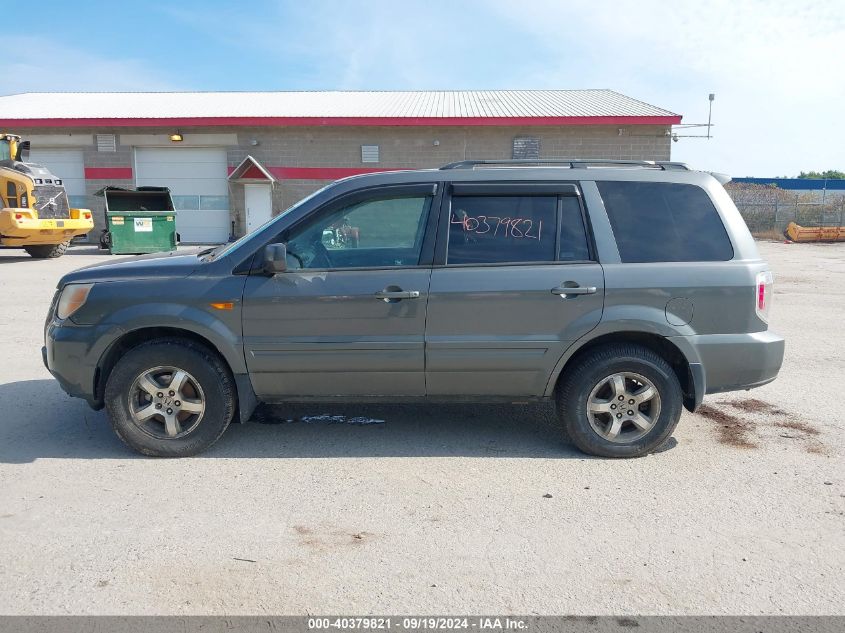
(620, 401)
(170, 398)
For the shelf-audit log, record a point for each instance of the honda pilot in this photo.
(621, 291)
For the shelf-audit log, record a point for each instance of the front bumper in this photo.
(68, 354)
(732, 362)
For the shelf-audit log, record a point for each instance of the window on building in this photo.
(369, 154)
(186, 203)
(526, 148)
(78, 202)
(378, 232)
(214, 202)
(664, 222)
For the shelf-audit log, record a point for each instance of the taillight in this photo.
(763, 303)
(87, 216)
(19, 216)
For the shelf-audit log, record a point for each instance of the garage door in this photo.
(68, 165)
(197, 180)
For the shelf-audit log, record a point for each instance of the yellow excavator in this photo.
(34, 210)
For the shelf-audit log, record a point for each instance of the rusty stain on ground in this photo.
(735, 431)
(816, 448)
(732, 430)
(801, 427)
(331, 540)
(752, 405)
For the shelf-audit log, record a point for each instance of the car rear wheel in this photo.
(47, 251)
(620, 401)
(170, 398)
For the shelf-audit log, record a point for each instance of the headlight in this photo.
(73, 297)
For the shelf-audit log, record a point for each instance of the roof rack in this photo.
(580, 163)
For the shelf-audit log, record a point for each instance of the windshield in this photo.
(5, 150)
(225, 249)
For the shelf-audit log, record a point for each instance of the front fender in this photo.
(218, 332)
(118, 308)
(222, 332)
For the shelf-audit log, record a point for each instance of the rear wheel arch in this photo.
(660, 345)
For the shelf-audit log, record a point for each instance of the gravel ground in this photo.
(440, 509)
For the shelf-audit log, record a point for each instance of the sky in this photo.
(777, 67)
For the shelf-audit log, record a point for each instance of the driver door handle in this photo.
(387, 295)
(564, 290)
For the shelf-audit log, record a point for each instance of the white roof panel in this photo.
(475, 104)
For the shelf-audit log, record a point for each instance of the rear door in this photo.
(348, 316)
(515, 282)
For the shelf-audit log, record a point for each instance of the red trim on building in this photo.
(108, 173)
(253, 172)
(343, 121)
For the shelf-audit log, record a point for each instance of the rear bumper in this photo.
(732, 362)
(27, 231)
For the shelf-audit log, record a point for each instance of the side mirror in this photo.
(22, 155)
(275, 258)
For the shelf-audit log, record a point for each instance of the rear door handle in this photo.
(391, 295)
(564, 291)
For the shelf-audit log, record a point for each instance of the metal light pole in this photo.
(711, 96)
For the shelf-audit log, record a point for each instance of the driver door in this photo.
(347, 318)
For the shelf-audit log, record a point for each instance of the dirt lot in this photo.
(460, 509)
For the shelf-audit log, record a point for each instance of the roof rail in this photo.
(573, 163)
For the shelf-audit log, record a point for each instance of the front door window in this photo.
(375, 233)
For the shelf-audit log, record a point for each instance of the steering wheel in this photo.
(293, 261)
(321, 255)
(314, 255)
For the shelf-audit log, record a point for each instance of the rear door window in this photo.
(664, 222)
(573, 234)
(515, 229)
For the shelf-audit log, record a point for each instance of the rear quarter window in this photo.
(664, 222)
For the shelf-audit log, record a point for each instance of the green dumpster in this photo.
(139, 220)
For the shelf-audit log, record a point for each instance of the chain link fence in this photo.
(768, 210)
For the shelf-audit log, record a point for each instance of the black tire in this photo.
(105, 240)
(47, 251)
(204, 366)
(595, 366)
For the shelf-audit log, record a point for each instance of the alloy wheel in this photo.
(623, 407)
(166, 402)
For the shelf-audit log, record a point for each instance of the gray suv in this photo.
(622, 291)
